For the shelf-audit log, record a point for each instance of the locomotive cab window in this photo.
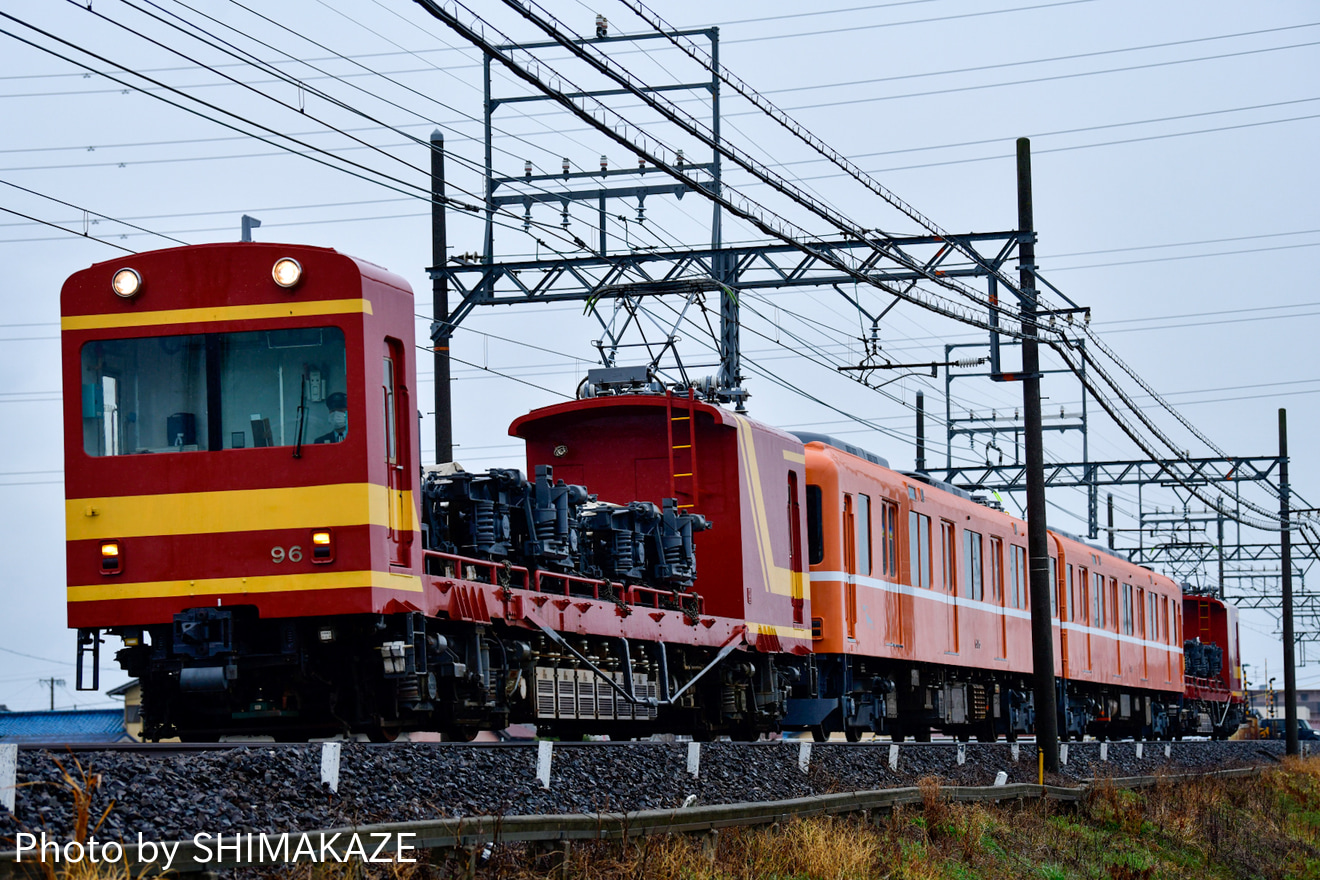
(213, 391)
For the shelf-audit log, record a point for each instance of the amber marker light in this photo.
(126, 283)
(111, 561)
(323, 547)
(287, 272)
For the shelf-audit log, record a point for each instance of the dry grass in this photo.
(81, 784)
(1265, 826)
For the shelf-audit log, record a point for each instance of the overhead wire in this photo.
(389, 182)
(752, 211)
(1055, 340)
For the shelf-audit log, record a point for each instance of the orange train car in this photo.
(920, 600)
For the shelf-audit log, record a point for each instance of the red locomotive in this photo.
(247, 511)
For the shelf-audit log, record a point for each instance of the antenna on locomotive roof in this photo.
(249, 224)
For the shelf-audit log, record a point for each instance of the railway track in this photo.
(171, 791)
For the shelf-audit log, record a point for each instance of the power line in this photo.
(89, 212)
(33, 656)
(62, 229)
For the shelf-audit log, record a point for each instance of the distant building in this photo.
(1308, 703)
(132, 694)
(76, 726)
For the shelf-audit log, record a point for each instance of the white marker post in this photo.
(8, 775)
(1015, 750)
(893, 757)
(962, 754)
(1140, 749)
(543, 757)
(330, 765)
(804, 756)
(1104, 751)
(1063, 753)
(694, 759)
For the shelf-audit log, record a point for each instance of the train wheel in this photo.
(462, 734)
(381, 734)
(852, 734)
(819, 734)
(986, 732)
(922, 735)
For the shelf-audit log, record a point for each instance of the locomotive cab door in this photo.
(398, 458)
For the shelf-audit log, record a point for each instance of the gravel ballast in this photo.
(276, 788)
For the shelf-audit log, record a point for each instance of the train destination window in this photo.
(997, 570)
(1017, 573)
(1054, 587)
(1097, 600)
(815, 527)
(889, 537)
(1068, 593)
(849, 535)
(948, 563)
(919, 548)
(213, 391)
(863, 513)
(1113, 603)
(972, 545)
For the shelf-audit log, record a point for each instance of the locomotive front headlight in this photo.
(126, 283)
(111, 560)
(287, 272)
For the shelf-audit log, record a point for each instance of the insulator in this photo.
(565, 166)
(604, 164)
(680, 158)
(641, 163)
(602, 27)
(527, 167)
(968, 362)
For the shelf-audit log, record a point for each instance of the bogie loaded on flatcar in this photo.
(246, 509)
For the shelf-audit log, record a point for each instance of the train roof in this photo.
(207, 258)
(812, 437)
(636, 400)
(940, 484)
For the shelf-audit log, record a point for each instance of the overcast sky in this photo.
(1174, 176)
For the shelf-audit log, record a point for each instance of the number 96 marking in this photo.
(279, 554)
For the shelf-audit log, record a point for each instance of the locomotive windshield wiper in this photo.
(302, 413)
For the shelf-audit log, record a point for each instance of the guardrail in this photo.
(407, 840)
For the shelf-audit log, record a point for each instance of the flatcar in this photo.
(247, 512)
(1216, 699)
